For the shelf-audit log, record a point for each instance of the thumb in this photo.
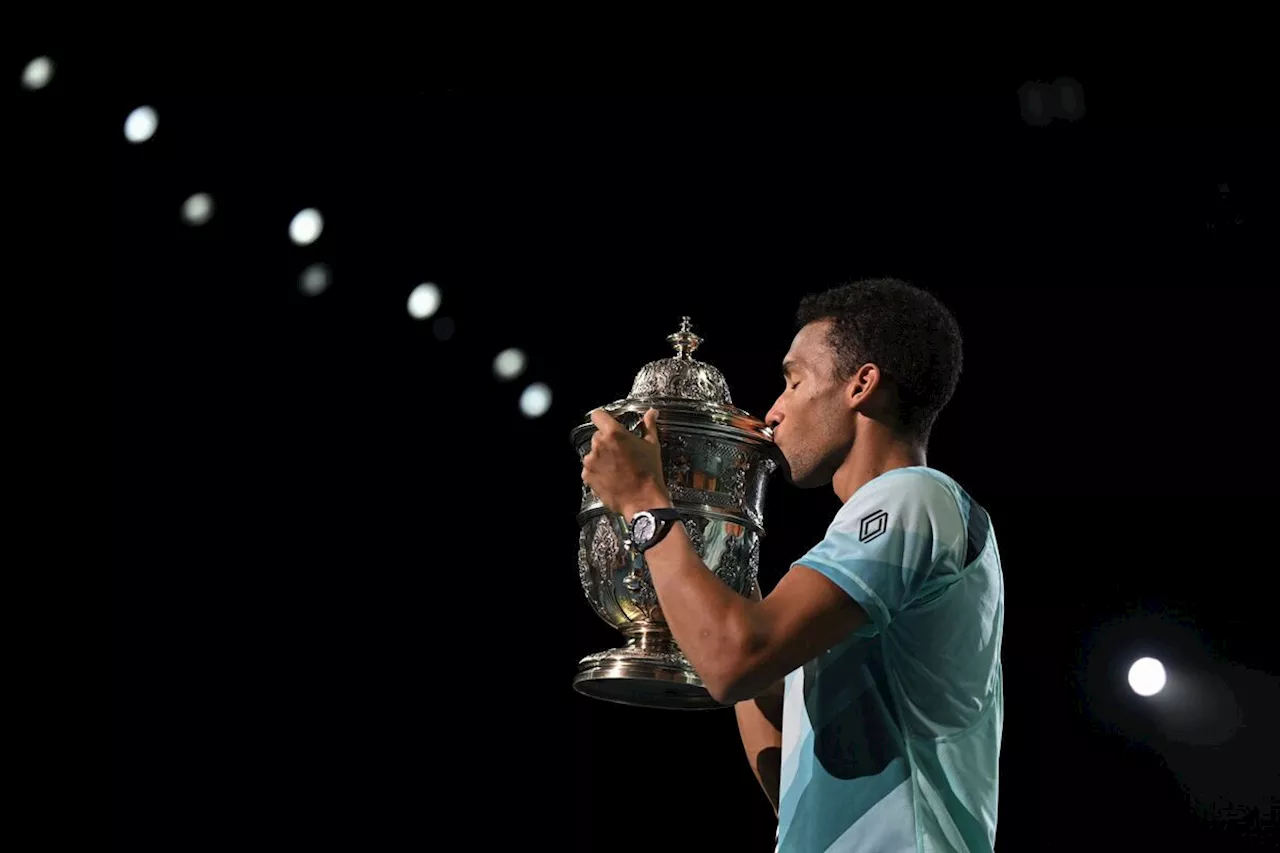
(651, 426)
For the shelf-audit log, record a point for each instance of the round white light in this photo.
(306, 226)
(198, 209)
(141, 124)
(508, 364)
(314, 280)
(1146, 676)
(535, 400)
(38, 73)
(424, 301)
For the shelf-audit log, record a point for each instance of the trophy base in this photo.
(648, 672)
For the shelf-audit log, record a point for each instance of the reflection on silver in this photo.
(717, 460)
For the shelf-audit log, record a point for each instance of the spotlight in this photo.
(424, 301)
(38, 73)
(198, 209)
(535, 400)
(1070, 98)
(314, 280)
(306, 226)
(1146, 676)
(508, 364)
(141, 125)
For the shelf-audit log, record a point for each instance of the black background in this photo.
(347, 610)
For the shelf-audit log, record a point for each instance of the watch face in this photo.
(642, 528)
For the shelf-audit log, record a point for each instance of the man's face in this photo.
(813, 423)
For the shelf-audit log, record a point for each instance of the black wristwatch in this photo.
(648, 527)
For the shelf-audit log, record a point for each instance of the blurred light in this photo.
(508, 364)
(424, 301)
(443, 327)
(141, 124)
(38, 73)
(535, 400)
(1071, 97)
(306, 226)
(1146, 676)
(1035, 103)
(198, 209)
(314, 280)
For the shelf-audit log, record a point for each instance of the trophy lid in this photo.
(681, 377)
(686, 390)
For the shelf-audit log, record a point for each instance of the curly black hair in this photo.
(905, 331)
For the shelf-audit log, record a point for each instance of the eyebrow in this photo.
(790, 365)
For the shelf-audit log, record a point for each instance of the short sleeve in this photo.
(897, 538)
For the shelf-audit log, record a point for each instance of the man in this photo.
(882, 643)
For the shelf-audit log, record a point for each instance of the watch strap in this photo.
(667, 513)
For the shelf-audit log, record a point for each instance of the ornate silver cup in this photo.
(717, 460)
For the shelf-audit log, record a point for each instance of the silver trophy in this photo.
(717, 460)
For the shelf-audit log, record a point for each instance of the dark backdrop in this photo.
(346, 606)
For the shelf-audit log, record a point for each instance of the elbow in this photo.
(721, 690)
(733, 687)
(729, 693)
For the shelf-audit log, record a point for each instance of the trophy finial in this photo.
(685, 341)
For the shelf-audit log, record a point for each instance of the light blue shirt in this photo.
(891, 739)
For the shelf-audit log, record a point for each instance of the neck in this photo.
(871, 456)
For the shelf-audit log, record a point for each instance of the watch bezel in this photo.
(662, 520)
(631, 529)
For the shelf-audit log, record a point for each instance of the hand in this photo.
(623, 469)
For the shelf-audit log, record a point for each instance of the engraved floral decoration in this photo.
(584, 564)
(729, 567)
(679, 378)
(693, 526)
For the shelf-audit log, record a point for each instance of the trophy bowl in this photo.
(717, 460)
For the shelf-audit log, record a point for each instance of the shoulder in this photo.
(916, 502)
(915, 488)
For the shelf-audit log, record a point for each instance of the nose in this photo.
(774, 417)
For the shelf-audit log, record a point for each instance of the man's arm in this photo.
(737, 646)
(760, 727)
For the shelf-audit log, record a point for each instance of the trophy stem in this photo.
(651, 639)
(649, 671)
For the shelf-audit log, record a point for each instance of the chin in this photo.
(801, 477)
(812, 480)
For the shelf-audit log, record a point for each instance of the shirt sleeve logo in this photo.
(873, 525)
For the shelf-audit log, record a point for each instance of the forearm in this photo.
(760, 727)
(707, 619)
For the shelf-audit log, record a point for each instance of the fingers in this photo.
(651, 426)
(605, 422)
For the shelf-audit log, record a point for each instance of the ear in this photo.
(860, 387)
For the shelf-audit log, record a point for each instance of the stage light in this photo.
(141, 125)
(198, 209)
(535, 400)
(424, 301)
(443, 328)
(306, 226)
(508, 364)
(314, 280)
(1070, 97)
(38, 73)
(1146, 676)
